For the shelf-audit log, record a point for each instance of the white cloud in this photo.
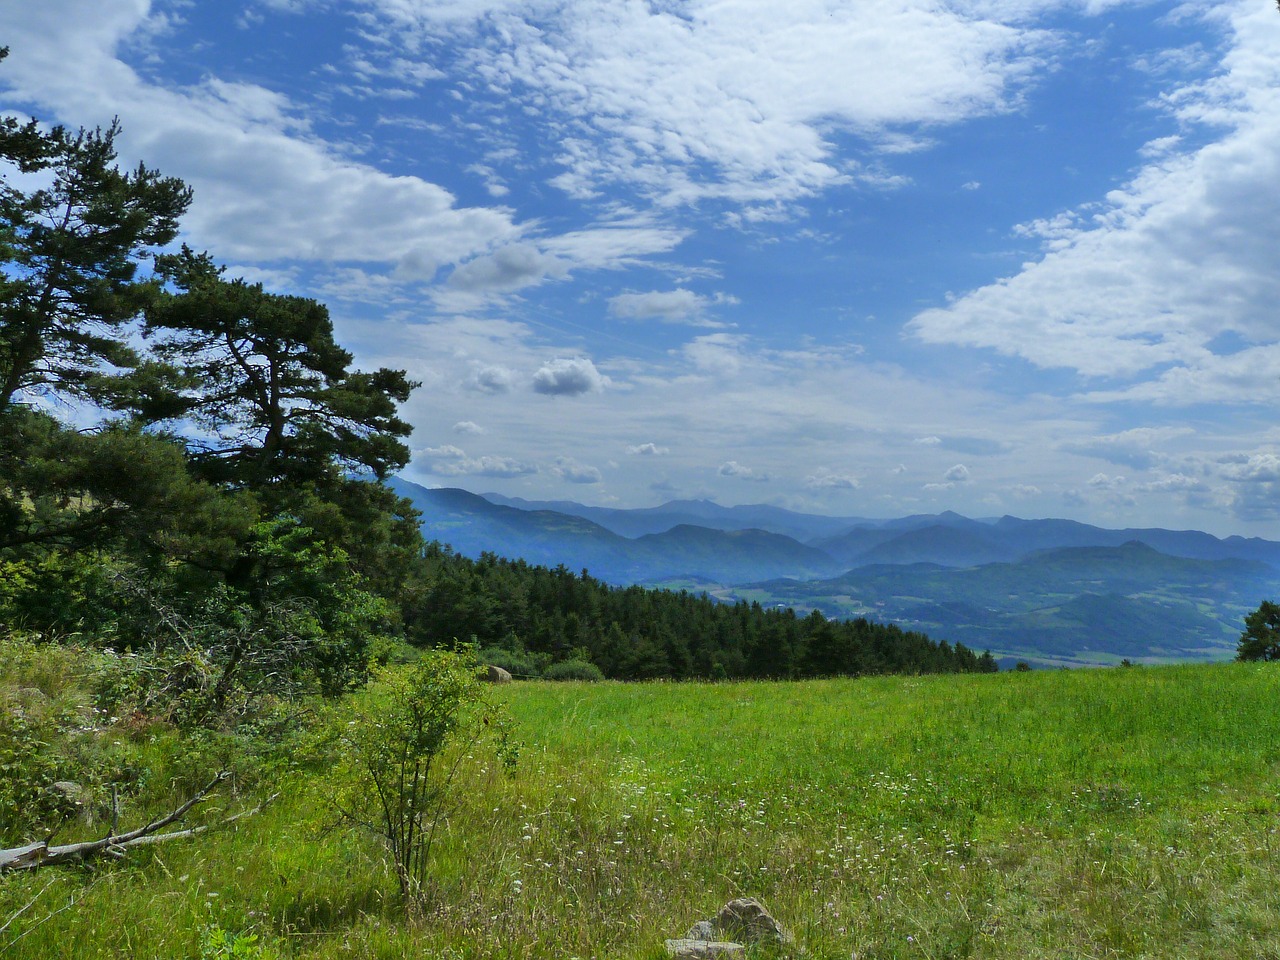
(954, 477)
(1100, 481)
(469, 428)
(265, 188)
(1255, 482)
(733, 100)
(569, 378)
(571, 470)
(450, 461)
(1140, 447)
(490, 378)
(648, 450)
(1186, 251)
(732, 468)
(669, 306)
(824, 479)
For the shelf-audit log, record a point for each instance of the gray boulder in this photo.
(699, 949)
(702, 930)
(746, 919)
(497, 675)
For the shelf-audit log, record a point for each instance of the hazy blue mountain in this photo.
(948, 545)
(1068, 605)
(701, 513)
(1051, 591)
(472, 525)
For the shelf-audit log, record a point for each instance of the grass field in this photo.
(1116, 813)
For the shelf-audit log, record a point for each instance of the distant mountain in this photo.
(1076, 605)
(945, 538)
(948, 545)
(472, 525)
(1052, 591)
(701, 513)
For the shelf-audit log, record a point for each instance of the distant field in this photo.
(1116, 813)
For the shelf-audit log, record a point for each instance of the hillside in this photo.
(1071, 605)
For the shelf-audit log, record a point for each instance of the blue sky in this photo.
(860, 258)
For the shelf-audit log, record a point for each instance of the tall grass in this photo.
(1118, 813)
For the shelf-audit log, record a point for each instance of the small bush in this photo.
(401, 747)
(573, 670)
(516, 663)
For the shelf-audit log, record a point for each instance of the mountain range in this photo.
(1048, 591)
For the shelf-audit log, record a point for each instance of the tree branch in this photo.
(40, 854)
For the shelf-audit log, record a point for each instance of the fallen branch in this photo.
(41, 854)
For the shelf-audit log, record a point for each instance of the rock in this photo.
(498, 675)
(70, 791)
(747, 919)
(697, 949)
(702, 930)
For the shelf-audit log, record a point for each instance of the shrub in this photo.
(402, 745)
(573, 670)
(515, 662)
(1261, 637)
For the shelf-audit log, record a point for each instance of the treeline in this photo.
(191, 469)
(528, 617)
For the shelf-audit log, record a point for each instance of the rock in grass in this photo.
(497, 675)
(702, 930)
(747, 919)
(697, 949)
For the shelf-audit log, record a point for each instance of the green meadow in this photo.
(1108, 813)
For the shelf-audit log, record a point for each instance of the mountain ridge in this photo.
(1049, 591)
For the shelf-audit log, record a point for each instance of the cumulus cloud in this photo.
(648, 450)
(1100, 481)
(954, 477)
(1255, 486)
(450, 461)
(569, 378)
(508, 269)
(566, 468)
(490, 379)
(468, 427)
(669, 306)
(824, 479)
(732, 468)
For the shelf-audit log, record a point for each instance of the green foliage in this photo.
(1261, 637)
(219, 944)
(54, 759)
(573, 670)
(517, 662)
(632, 633)
(400, 751)
(70, 251)
(265, 382)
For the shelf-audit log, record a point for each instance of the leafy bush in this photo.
(515, 662)
(53, 762)
(1261, 637)
(402, 744)
(573, 670)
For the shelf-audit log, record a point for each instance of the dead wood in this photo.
(41, 854)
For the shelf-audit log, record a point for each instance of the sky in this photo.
(863, 258)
